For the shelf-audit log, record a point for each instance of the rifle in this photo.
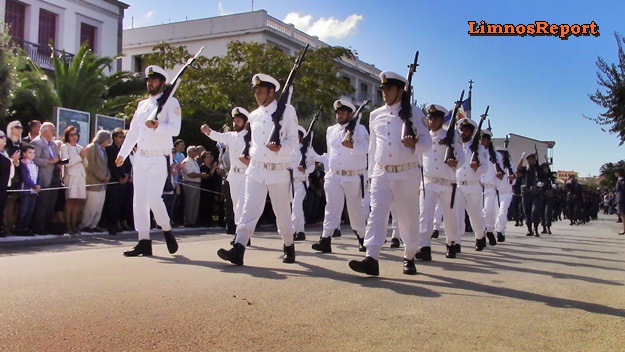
(274, 136)
(170, 89)
(492, 155)
(406, 108)
(307, 140)
(536, 154)
(247, 139)
(451, 131)
(351, 125)
(475, 144)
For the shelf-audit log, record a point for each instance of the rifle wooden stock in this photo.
(451, 131)
(274, 136)
(307, 140)
(351, 125)
(475, 144)
(406, 108)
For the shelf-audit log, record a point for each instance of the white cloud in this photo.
(222, 11)
(148, 15)
(324, 28)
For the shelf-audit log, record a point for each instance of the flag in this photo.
(466, 107)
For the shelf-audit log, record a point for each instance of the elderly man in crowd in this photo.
(98, 174)
(47, 159)
(192, 177)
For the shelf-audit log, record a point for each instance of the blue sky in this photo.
(536, 86)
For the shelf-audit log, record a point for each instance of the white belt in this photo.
(489, 185)
(398, 168)
(270, 166)
(238, 170)
(154, 152)
(347, 172)
(469, 183)
(299, 179)
(439, 181)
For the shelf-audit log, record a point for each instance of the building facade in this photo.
(66, 24)
(216, 32)
(563, 175)
(517, 145)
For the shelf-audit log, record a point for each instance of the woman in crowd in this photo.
(74, 178)
(13, 147)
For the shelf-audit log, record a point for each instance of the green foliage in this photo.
(8, 76)
(611, 77)
(213, 86)
(607, 172)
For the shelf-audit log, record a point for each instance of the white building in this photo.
(216, 32)
(67, 24)
(517, 145)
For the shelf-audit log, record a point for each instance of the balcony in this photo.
(41, 55)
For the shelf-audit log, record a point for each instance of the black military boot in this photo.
(336, 233)
(172, 245)
(435, 234)
(529, 231)
(144, 248)
(324, 245)
(289, 254)
(491, 238)
(451, 251)
(394, 242)
(424, 254)
(536, 231)
(299, 236)
(233, 255)
(480, 244)
(409, 267)
(361, 243)
(549, 230)
(544, 231)
(501, 237)
(367, 266)
(458, 248)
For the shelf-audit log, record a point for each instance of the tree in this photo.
(611, 77)
(8, 76)
(607, 172)
(213, 86)
(81, 83)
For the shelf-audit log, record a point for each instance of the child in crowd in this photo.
(29, 173)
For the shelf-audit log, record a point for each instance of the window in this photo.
(88, 34)
(139, 65)
(15, 16)
(364, 92)
(47, 29)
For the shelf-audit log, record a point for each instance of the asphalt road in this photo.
(560, 292)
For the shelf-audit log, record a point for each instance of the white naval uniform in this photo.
(505, 199)
(150, 168)
(469, 192)
(438, 216)
(395, 178)
(439, 178)
(268, 173)
(342, 183)
(236, 175)
(300, 182)
(489, 185)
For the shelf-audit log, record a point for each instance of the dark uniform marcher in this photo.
(619, 191)
(395, 176)
(533, 182)
(151, 161)
(267, 171)
(547, 189)
(574, 200)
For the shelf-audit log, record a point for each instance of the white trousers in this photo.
(438, 195)
(403, 197)
(237, 195)
(490, 209)
(92, 211)
(149, 178)
(340, 192)
(502, 215)
(394, 226)
(438, 216)
(297, 212)
(469, 198)
(255, 197)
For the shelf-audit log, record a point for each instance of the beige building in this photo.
(67, 24)
(517, 145)
(216, 32)
(563, 175)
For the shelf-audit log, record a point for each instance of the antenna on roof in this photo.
(252, 5)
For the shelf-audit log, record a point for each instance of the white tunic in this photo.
(341, 158)
(236, 143)
(434, 158)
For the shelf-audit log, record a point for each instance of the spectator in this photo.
(14, 145)
(34, 129)
(6, 173)
(211, 186)
(620, 197)
(47, 160)
(191, 176)
(179, 147)
(74, 177)
(98, 175)
(116, 193)
(29, 176)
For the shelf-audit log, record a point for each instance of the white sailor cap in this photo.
(465, 122)
(344, 104)
(392, 78)
(436, 110)
(302, 130)
(2, 135)
(261, 79)
(156, 71)
(240, 112)
(487, 132)
(530, 154)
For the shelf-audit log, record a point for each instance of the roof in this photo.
(550, 144)
(118, 4)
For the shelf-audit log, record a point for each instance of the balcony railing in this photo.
(41, 55)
